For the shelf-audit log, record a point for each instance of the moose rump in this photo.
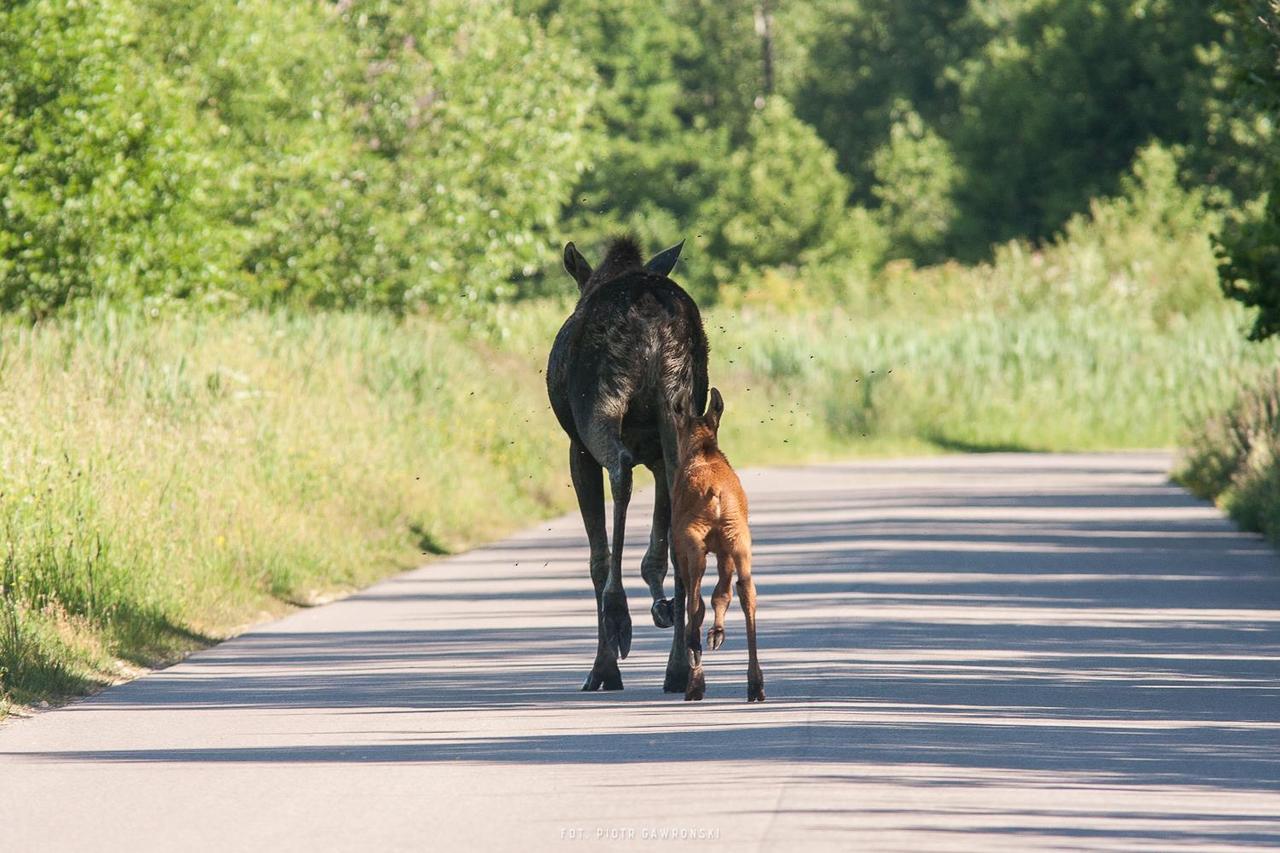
(632, 349)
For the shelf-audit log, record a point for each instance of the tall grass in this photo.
(1040, 381)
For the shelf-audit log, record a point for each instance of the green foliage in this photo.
(915, 177)
(1250, 268)
(477, 118)
(1055, 105)
(781, 196)
(402, 156)
(1250, 244)
(365, 154)
(663, 156)
(275, 118)
(1147, 248)
(1145, 254)
(694, 147)
(861, 60)
(100, 178)
(1040, 103)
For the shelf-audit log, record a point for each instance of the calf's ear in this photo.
(715, 409)
(576, 265)
(665, 261)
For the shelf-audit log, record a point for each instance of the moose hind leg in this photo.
(653, 568)
(613, 602)
(588, 484)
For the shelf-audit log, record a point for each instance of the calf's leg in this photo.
(720, 600)
(693, 562)
(747, 595)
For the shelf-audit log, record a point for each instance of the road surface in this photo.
(977, 653)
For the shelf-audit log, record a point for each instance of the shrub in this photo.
(1234, 458)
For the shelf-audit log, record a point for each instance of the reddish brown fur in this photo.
(709, 516)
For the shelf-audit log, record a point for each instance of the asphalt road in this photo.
(977, 653)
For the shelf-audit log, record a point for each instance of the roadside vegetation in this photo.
(278, 278)
(1233, 457)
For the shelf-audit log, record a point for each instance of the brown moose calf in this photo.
(709, 515)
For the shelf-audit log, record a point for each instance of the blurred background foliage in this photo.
(435, 154)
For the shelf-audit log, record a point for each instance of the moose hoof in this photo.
(676, 681)
(755, 691)
(697, 687)
(603, 677)
(663, 613)
(715, 638)
(617, 626)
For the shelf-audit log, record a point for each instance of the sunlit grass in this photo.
(166, 480)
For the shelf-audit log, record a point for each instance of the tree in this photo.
(100, 167)
(1249, 249)
(1041, 103)
(1053, 109)
(915, 176)
(782, 195)
(856, 62)
(378, 153)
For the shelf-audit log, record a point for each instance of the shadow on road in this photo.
(1102, 637)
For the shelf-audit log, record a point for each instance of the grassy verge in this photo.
(164, 481)
(167, 480)
(1234, 458)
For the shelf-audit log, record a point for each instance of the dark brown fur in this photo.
(633, 348)
(709, 516)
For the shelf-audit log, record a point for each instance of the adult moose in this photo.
(633, 348)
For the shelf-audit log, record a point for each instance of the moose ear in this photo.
(663, 262)
(715, 409)
(576, 265)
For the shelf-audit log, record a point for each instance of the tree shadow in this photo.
(957, 445)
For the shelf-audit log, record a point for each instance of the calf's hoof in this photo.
(697, 687)
(715, 638)
(617, 625)
(663, 614)
(755, 690)
(603, 676)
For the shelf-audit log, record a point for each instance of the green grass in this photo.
(167, 480)
(1038, 381)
